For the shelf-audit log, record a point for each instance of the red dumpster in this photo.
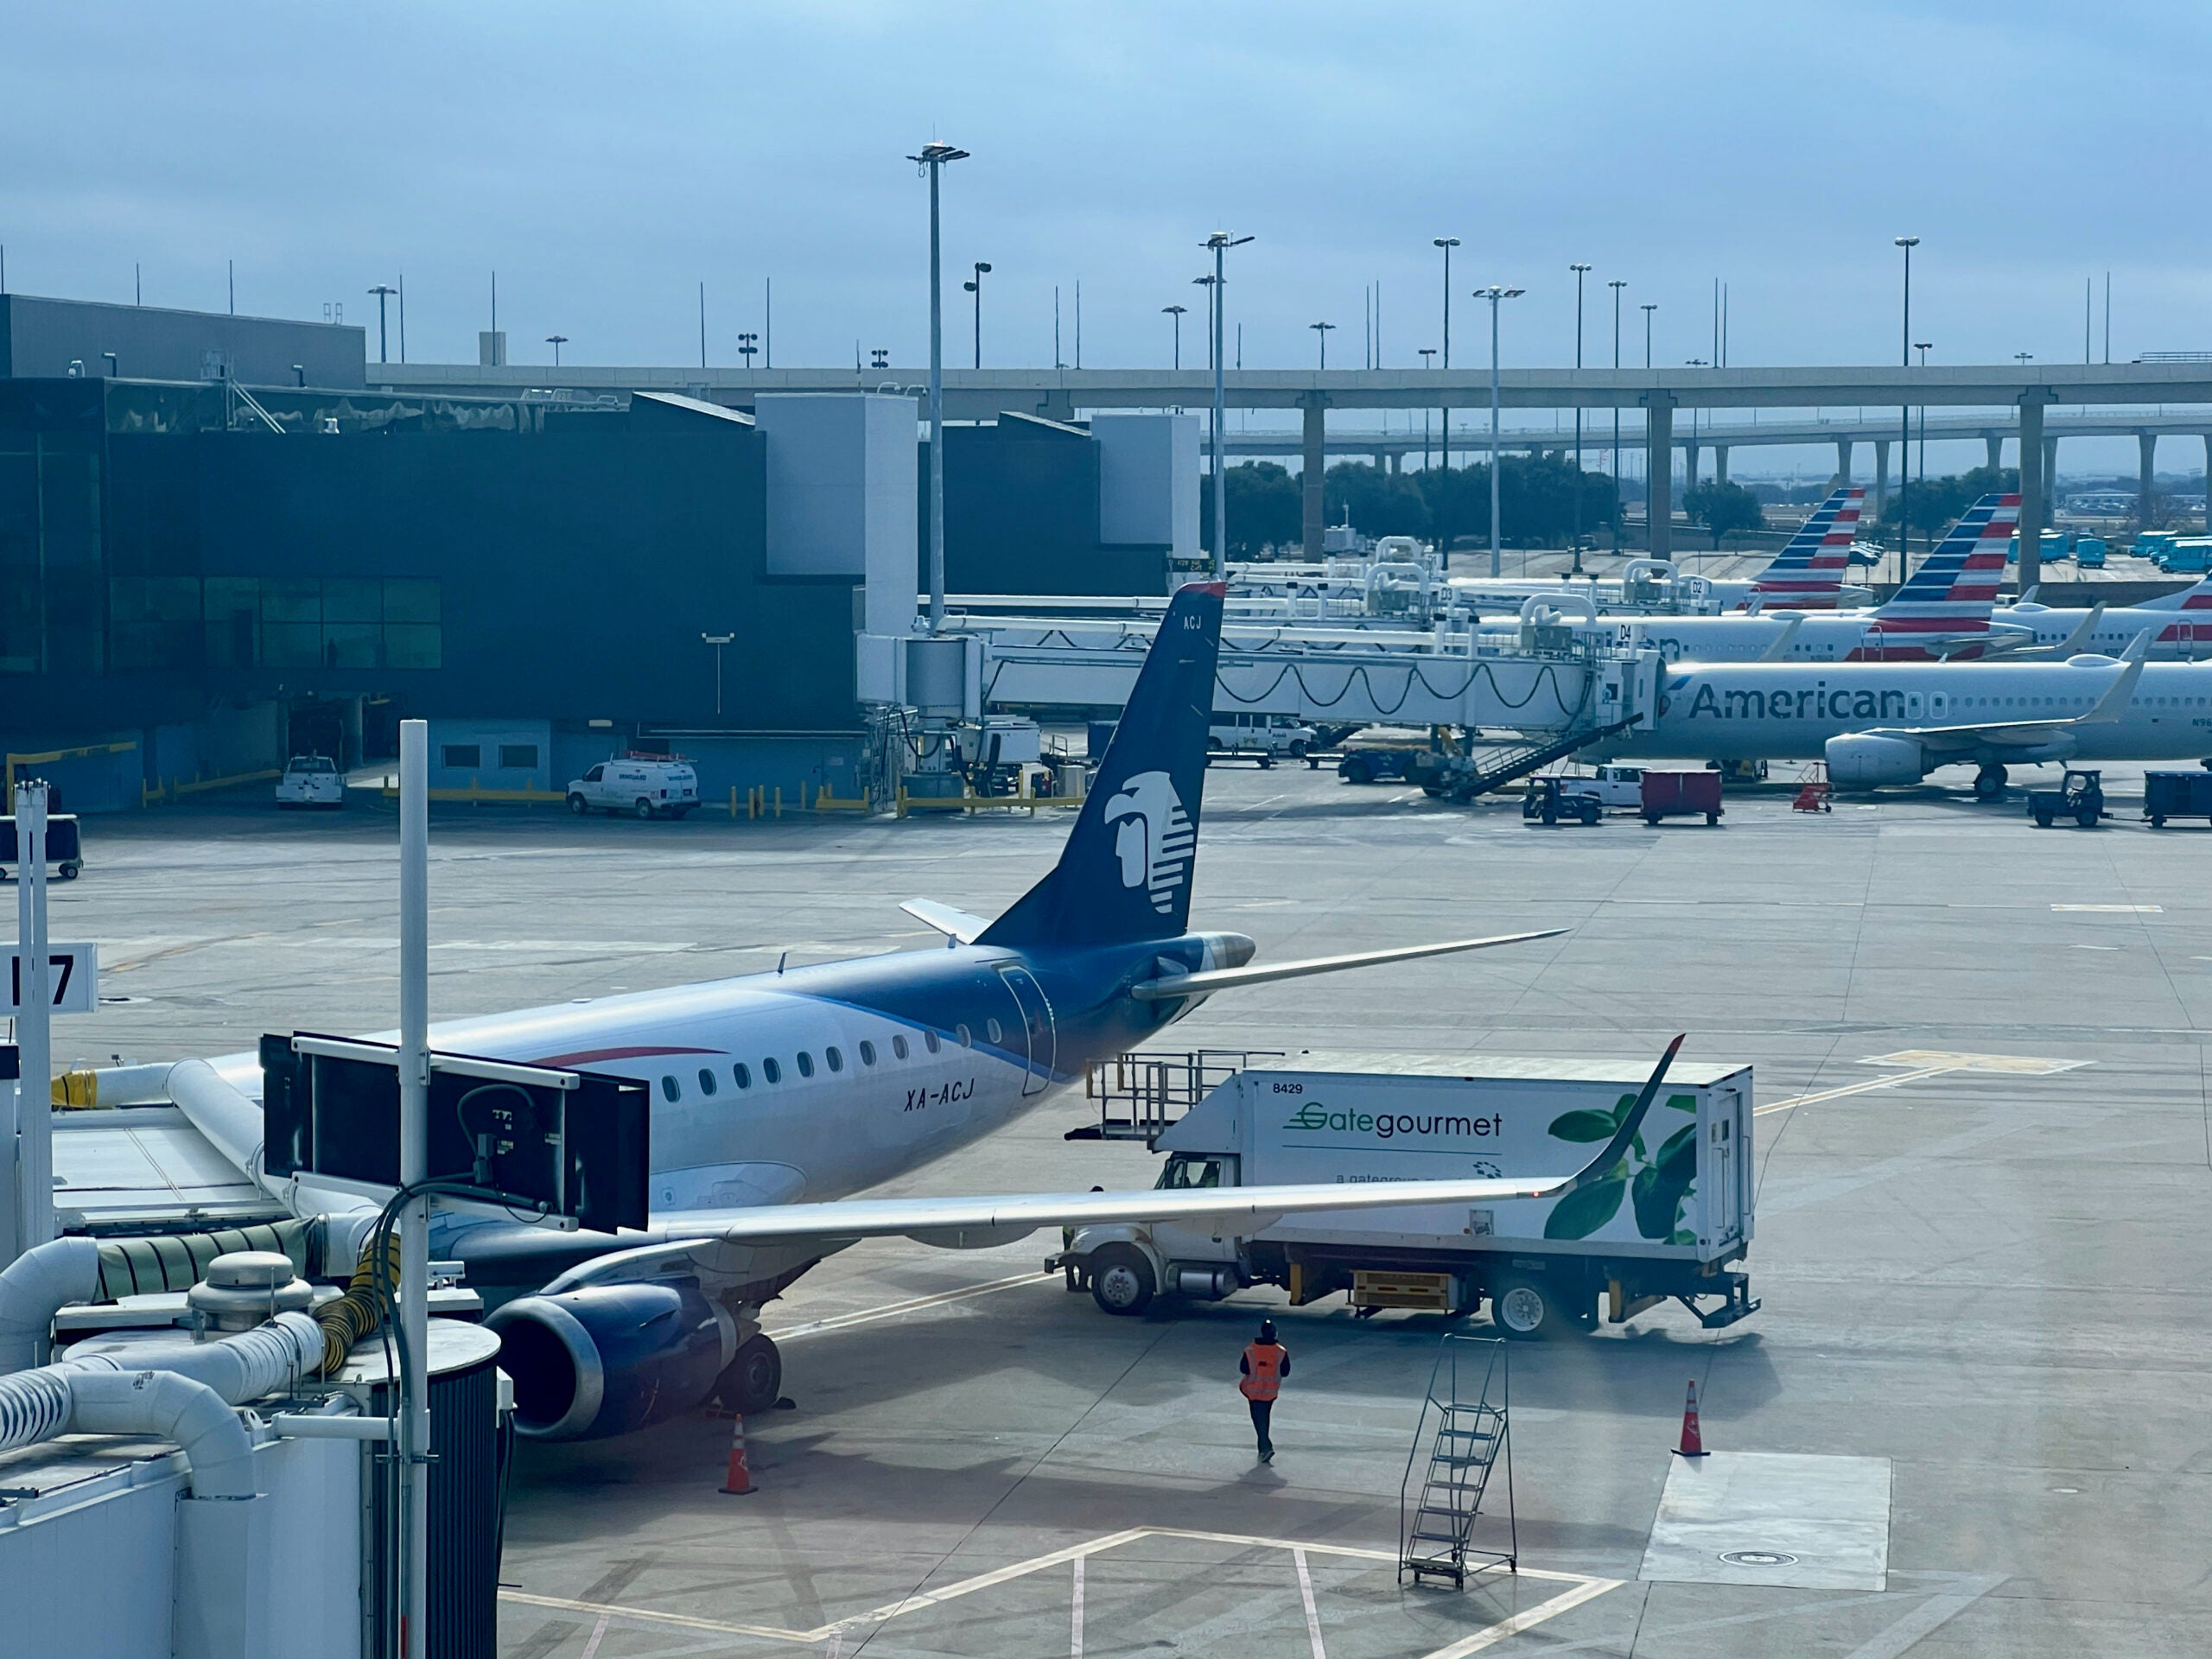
(1681, 795)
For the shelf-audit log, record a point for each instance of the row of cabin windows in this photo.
(772, 1070)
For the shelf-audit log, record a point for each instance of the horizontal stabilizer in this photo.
(953, 923)
(977, 1221)
(1224, 979)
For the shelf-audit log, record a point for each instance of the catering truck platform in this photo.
(1674, 1220)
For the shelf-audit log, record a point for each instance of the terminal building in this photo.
(235, 553)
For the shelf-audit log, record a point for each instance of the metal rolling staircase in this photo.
(1502, 765)
(1464, 1426)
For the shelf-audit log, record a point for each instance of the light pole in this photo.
(1649, 307)
(717, 641)
(1580, 271)
(747, 345)
(1322, 330)
(932, 160)
(382, 290)
(1922, 345)
(557, 341)
(975, 285)
(1175, 313)
(1617, 284)
(1494, 293)
(1427, 353)
(1905, 415)
(1444, 411)
(1220, 242)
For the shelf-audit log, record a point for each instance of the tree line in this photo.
(1537, 503)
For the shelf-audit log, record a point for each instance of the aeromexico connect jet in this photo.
(775, 1097)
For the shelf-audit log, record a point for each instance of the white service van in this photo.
(1264, 735)
(1675, 1220)
(642, 786)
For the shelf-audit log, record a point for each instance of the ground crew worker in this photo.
(1078, 1277)
(1266, 1363)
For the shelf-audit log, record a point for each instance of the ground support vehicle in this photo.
(2080, 796)
(2089, 552)
(65, 847)
(643, 786)
(2177, 795)
(1551, 799)
(1261, 737)
(1676, 1223)
(1681, 795)
(311, 780)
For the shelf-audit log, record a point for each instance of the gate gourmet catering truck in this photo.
(1673, 1219)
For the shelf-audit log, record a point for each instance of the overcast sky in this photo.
(606, 159)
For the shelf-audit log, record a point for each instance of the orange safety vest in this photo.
(1265, 1382)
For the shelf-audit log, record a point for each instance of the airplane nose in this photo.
(1229, 949)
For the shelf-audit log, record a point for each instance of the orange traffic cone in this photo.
(1693, 1444)
(738, 1483)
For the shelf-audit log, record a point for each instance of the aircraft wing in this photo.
(2029, 734)
(977, 1222)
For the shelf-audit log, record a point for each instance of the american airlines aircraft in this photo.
(2180, 625)
(1941, 612)
(1807, 574)
(1895, 722)
(776, 1096)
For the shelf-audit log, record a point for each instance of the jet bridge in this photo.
(1546, 681)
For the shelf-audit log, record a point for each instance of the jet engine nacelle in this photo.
(1861, 761)
(610, 1358)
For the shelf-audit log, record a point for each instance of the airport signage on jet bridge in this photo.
(565, 1143)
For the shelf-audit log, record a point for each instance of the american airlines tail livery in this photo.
(777, 1097)
(1941, 612)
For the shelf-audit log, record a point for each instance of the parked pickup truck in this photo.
(1610, 786)
(1675, 1222)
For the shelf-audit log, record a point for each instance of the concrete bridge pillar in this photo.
(1995, 443)
(1881, 475)
(2033, 486)
(1659, 469)
(1721, 463)
(1842, 463)
(1313, 466)
(2208, 482)
(1689, 467)
(1390, 462)
(2147, 444)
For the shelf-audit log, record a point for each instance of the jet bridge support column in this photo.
(2032, 488)
(1659, 470)
(1314, 467)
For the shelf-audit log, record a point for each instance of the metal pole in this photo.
(1579, 271)
(1220, 403)
(1904, 421)
(1494, 565)
(414, 1161)
(936, 417)
(34, 1032)
(1617, 284)
(702, 325)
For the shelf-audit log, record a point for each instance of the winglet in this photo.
(2082, 630)
(2122, 691)
(1775, 653)
(1624, 1137)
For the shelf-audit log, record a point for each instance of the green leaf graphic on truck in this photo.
(1658, 1186)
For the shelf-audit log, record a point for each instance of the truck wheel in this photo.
(643, 808)
(1590, 815)
(2087, 819)
(580, 806)
(1356, 770)
(1712, 818)
(2158, 821)
(1121, 1278)
(2043, 820)
(1522, 1311)
(1651, 819)
(1298, 748)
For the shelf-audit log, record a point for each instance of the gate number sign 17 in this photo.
(70, 972)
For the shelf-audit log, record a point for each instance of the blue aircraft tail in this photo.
(1125, 874)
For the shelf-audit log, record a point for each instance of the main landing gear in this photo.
(1989, 784)
(753, 1381)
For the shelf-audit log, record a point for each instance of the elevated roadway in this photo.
(2030, 390)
